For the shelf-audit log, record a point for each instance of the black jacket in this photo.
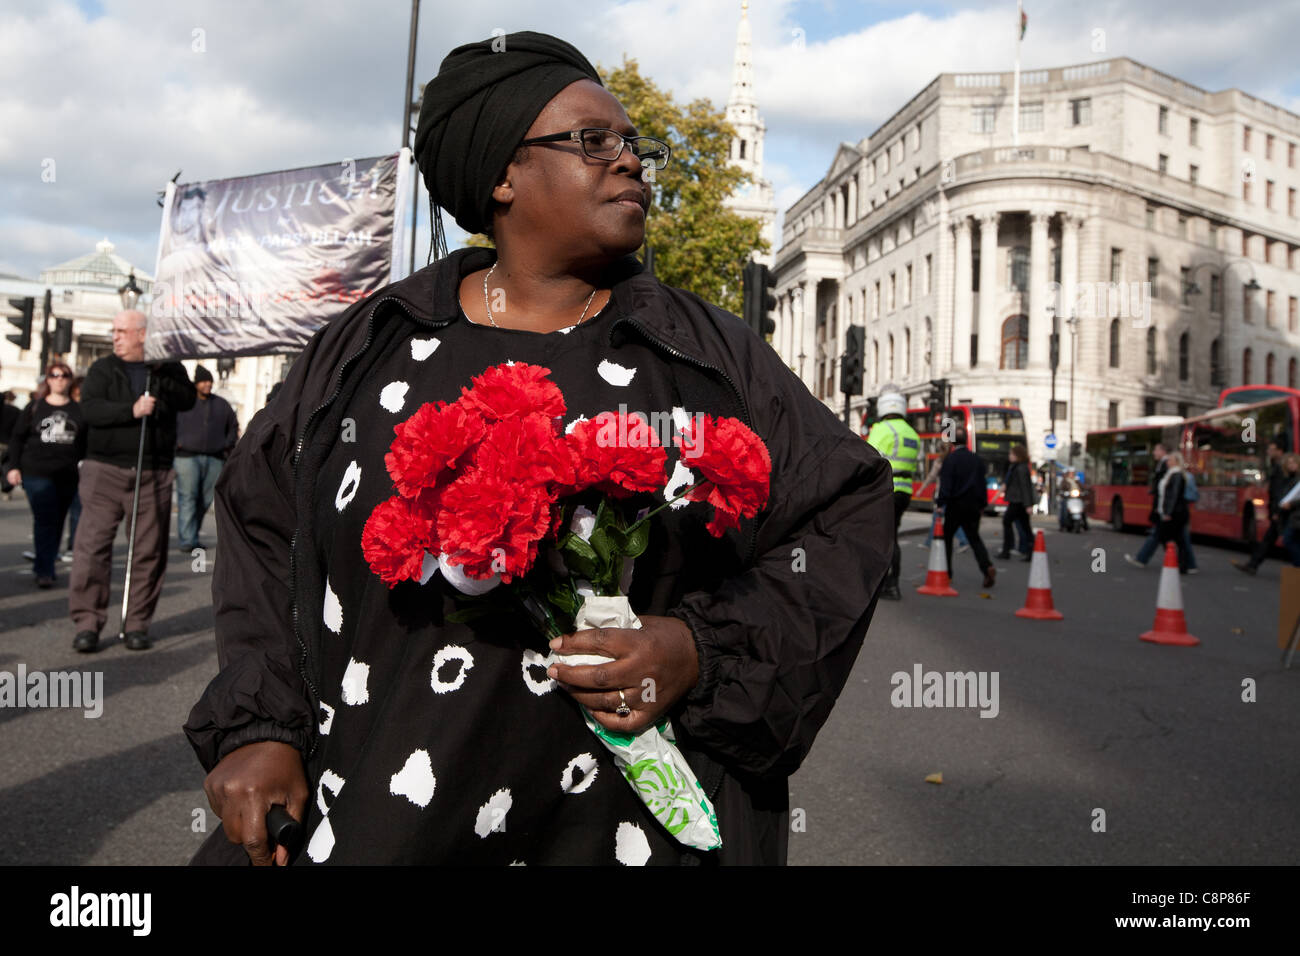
(209, 428)
(106, 401)
(779, 608)
(961, 480)
(1019, 489)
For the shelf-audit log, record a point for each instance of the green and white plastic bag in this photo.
(650, 760)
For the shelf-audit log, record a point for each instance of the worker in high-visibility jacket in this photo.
(898, 442)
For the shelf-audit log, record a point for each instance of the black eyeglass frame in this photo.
(577, 136)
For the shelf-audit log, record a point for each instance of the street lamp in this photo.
(1073, 323)
(1218, 373)
(130, 292)
(1054, 345)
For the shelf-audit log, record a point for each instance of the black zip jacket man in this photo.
(778, 609)
(107, 397)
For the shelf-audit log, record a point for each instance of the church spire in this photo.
(742, 108)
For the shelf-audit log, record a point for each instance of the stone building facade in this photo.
(1152, 223)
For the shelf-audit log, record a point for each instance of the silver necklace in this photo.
(489, 307)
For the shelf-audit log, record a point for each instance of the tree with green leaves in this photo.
(699, 244)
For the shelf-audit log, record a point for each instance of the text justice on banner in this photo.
(256, 264)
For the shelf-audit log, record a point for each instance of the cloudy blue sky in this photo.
(116, 93)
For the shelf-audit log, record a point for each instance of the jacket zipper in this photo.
(297, 454)
(740, 400)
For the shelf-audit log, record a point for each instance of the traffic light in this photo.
(851, 364)
(26, 308)
(759, 300)
(1076, 449)
(938, 398)
(62, 336)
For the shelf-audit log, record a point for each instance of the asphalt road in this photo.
(1089, 718)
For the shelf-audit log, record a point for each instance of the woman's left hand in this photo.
(654, 666)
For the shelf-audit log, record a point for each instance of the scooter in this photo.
(1076, 517)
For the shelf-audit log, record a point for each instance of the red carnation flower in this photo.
(513, 391)
(488, 524)
(527, 450)
(617, 454)
(435, 438)
(735, 467)
(395, 537)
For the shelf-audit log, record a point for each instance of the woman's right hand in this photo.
(15, 477)
(244, 786)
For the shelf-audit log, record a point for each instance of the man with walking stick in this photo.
(131, 409)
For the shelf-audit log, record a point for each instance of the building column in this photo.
(961, 306)
(807, 331)
(1070, 226)
(1040, 321)
(853, 199)
(990, 342)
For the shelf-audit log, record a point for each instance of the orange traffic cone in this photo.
(1038, 604)
(937, 582)
(1170, 626)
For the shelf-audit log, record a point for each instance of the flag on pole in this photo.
(1024, 20)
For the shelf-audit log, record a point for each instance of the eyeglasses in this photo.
(607, 144)
(58, 375)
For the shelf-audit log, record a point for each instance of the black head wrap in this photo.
(476, 110)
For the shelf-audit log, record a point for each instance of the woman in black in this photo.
(48, 442)
(1171, 507)
(1020, 496)
(396, 732)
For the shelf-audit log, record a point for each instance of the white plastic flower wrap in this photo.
(650, 760)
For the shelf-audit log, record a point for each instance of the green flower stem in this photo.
(636, 524)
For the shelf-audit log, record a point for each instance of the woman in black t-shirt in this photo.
(48, 442)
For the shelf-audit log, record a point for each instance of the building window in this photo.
(1245, 244)
(1184, 357)
(907, 353)
(1270, 315)
(1031, 117)
(1116, 265)
(982, 119)
(1216, 364)
(1193, 174)
(1148, 406)
(1185, 283)
(875, 360)
(875, 300)
(1291, 374)
(1268, 194)
(1216, 293)
(929, 275)
(1182, 225)
(891, 356)
(1151, 217)
(1290, 162)
(1015, 342)
(1268, 145)
(1153, 276)
(1245, 138)
(1081, 111)
(1054, 265)
(1291, 316)
(1268, 369)
(893, 289)
(1245, 190)
(1163, 121)
(1114, 343)
(1213, 238)
(1162, 163)
(1245, 367)
(871, 173)
(916, 137)
(975, 267)
(1245, 305)
(1290, 201)
(1194, 132)
(1018, 269)
(1112, 415)
(1151, 351)
(907, 284)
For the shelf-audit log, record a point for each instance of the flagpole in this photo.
(1015, 90)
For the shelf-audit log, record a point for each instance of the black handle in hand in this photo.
(283, 830)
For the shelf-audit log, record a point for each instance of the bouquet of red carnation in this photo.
(485, 481)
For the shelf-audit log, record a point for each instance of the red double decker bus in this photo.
(1224, 450)
(991, 430)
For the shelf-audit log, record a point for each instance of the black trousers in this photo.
(1017, 517)
(1172, 530)
(957, 514)
(901, 500)
(1261, 548)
